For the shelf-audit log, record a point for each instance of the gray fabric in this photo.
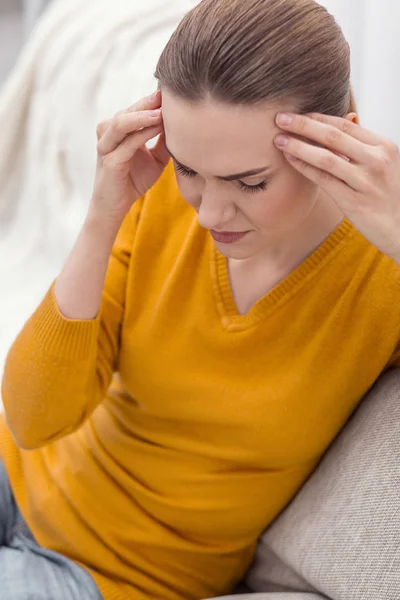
(340, 535)
(274, 596)
(28, 572)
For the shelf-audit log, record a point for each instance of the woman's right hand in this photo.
(126, 168)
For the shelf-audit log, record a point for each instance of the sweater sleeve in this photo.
(58, 369)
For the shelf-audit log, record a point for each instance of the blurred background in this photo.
(67, 64)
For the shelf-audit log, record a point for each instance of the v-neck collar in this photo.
(232, 320)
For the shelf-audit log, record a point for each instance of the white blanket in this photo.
(85, 60)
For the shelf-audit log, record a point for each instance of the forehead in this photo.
(234, 136)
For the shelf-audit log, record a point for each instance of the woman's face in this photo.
(210, 141)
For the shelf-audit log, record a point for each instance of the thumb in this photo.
(159, 152)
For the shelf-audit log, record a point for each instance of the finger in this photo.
(146, 103)
(335, 187)
(359, 133)
(326, 161)
(123, 125)
(101, 128)
(339, 139)
(127, 149)
(159, 151)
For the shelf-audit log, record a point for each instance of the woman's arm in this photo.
(79, 287)
(60, 365)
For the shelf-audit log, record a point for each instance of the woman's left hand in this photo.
(359, 169)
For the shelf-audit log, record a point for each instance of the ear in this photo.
(352, 117)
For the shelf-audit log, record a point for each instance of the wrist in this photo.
(98, 222)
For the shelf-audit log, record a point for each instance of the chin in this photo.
(235, 251)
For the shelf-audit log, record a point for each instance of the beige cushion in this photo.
(275, 596)
(340, 535)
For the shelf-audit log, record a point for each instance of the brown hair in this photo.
(249, 51)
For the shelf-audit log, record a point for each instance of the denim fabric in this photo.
(29, 572)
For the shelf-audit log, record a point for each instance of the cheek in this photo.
(262, 211)
(280, 203)
(269, 206)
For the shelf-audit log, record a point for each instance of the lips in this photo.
(228, 237)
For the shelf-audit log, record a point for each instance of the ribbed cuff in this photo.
(67, 338)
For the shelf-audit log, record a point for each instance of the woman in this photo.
(213, 328)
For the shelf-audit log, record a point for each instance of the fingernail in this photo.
(282, 140)
(284, 119)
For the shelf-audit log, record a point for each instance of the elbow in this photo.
(26, 443)
(25, 440)
(35, 419)
(35, 438)
(34, 426)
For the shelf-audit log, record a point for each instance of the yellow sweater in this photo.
(161, 483)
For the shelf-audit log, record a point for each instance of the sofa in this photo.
(339, 537)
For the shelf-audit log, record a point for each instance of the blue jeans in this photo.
(29, 572)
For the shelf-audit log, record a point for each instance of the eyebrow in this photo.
(226, 177)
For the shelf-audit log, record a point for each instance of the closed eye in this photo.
(247, 188)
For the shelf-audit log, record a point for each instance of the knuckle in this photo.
(117, 124)
(99, 147)
(333, 135)
(380, 162)
(380, 168)
(392, 148)
(327, 161)
(325, 177)
(302, 123)
(348, 126)
(387, 159)
(100, 128)
(108, 162)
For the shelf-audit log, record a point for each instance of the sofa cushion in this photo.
(340, 534)
(275, 596)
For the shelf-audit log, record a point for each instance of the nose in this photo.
(214, 210)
